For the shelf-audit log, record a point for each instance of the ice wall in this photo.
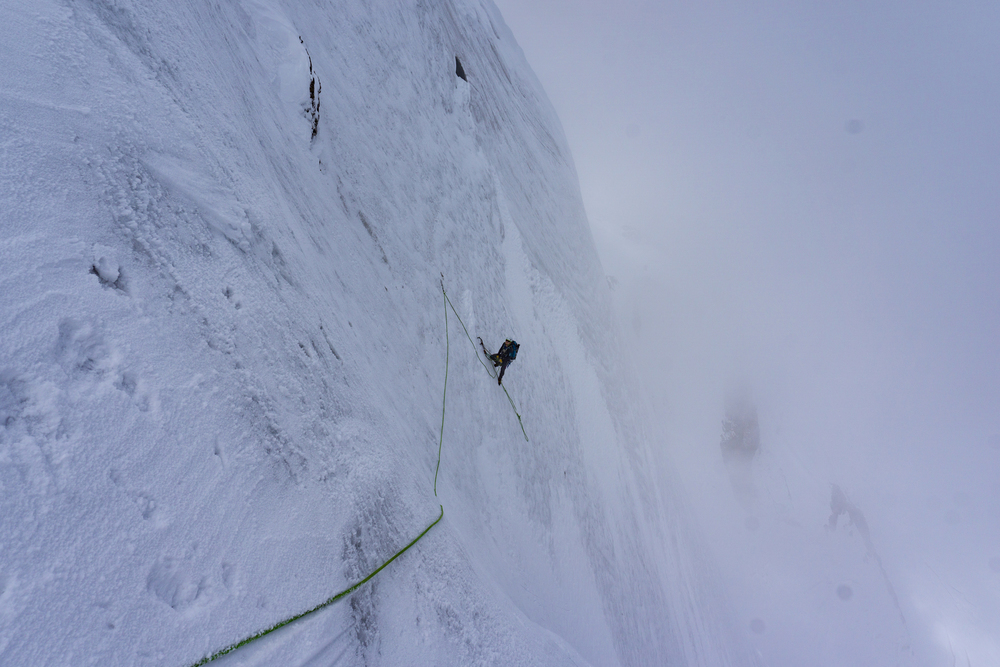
(224, 231)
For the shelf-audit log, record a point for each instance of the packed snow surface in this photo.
(225, 229)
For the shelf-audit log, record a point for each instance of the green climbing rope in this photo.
(327, 603)
(488, 370)
(347, 591)
(444, 394)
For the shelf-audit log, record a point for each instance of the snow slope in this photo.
(223, 350)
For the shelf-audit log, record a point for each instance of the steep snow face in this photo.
(225, 228)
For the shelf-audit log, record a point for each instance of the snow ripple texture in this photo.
(222, 351)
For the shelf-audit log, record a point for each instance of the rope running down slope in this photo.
(347, 591)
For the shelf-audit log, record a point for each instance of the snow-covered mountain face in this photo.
(224, 234)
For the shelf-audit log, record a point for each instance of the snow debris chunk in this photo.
(106, 265)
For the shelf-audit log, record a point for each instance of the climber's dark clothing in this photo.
(506, 354)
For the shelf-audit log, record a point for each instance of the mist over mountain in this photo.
(795, 204)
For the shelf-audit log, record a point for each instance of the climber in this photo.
(506, 354)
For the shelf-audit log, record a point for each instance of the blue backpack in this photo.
(512, 353)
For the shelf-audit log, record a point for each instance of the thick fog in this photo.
(798, 208)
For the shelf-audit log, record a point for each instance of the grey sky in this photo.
(803, 199)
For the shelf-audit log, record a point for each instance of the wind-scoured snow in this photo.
(223, 350)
